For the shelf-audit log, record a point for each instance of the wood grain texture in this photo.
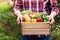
(35, 28)
(36, 25)
(35, 31)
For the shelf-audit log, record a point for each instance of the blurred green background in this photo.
(10, 30)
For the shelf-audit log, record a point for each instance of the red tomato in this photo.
(39, 20)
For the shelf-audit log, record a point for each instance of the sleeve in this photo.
(54, 6)
(17, 5)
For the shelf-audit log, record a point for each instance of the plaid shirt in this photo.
(37, 5)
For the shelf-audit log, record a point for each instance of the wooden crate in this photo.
(35, 28)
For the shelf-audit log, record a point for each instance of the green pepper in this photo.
(45, 21)
(45, 18)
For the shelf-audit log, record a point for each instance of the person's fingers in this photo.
(18, 20)
(52, 21)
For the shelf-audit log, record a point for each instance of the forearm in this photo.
(55, 9)
(16, 7)
(16, 12)
(53, 14)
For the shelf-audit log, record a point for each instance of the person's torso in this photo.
(34, 5)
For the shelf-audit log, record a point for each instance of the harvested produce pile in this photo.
(30, 16)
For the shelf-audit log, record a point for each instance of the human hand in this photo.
(51, 19)
(19, 17)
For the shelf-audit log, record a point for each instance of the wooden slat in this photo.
(35, 25)
(35, 31)
(35, 28)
